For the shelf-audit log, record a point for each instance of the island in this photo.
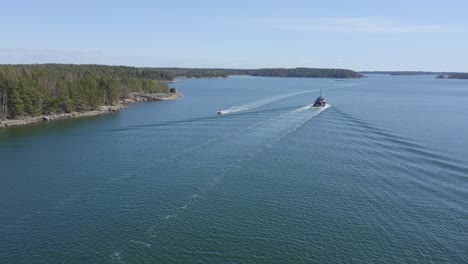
(439, 75)
(300, 72)
(458, 76)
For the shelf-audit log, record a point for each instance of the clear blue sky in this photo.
(360, 35)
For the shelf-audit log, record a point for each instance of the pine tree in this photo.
(16, 104)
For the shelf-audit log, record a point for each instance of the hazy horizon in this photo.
(361, 36)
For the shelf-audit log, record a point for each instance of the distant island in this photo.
(265, 72)
(457, 76)
(43, 92)
(439, 75)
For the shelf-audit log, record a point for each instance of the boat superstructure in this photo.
(320, 101)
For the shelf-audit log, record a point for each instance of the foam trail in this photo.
(272, 99)
(261, 102)
(346, 85)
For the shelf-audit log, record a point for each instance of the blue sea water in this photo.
(380, 176)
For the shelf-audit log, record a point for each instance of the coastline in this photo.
(104, 109)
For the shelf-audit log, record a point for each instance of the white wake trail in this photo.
(261, 102)
(272, 99)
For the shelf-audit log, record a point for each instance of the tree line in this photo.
(307, 73)
(31, 90)
(266, 72)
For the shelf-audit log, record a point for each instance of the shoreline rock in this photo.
(141, 97)
(104, 109)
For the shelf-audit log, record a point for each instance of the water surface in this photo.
(380, 176)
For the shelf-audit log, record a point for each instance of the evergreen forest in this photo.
(31, 90)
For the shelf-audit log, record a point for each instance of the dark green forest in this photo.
(307, 73)
(31, 90)
(267, 72)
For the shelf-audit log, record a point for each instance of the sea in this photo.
(380, 175)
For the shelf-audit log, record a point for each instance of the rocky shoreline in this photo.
(105, 109)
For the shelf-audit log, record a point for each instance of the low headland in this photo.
(438, 75)
(45, 92)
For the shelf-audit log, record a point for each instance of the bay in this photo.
(380, 176)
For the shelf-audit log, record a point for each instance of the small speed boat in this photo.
(320, 101)
(219, 112)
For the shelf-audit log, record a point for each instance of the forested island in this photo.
(30, 93)
(307, 73)
(266, 72)
(457, 76)
(401, 72)
(439, 75)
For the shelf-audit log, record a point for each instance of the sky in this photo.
(359, 35)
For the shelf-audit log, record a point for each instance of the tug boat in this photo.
(320, 101)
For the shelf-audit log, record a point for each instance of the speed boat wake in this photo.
(259, 102)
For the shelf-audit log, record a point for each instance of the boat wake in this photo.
(233, 150)
(272, 99)
(260, 102)
(420, 164)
